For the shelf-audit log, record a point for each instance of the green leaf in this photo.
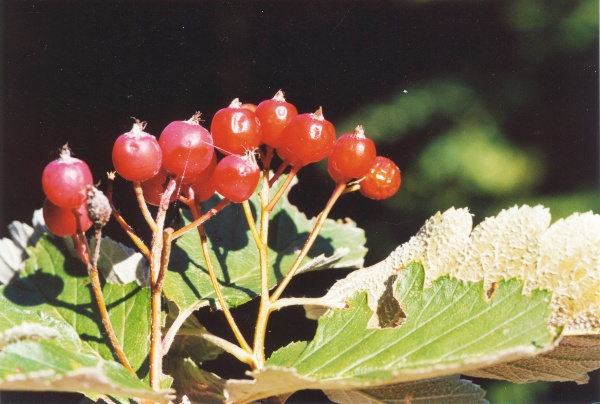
(448, 328)
(55, 283)
(48, 366)
(447, 390)
(569, 361)
(199, 386)
(235, 256)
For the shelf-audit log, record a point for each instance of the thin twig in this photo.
(128, 230)
(201, 219)
(139, 194)
(277, 174)
(215, 283)
(157, 261)
(251, 222)
(233, 349)
(91, 261)
(283, 188)
(304, 301)
(264, 307)
(339, 189)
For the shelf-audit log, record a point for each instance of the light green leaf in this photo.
(47, 366)
(57, 284)
(448, 328)
(447, 390)
(235, 256)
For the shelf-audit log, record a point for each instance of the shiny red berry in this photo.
(61, 221)
(274, 115)
(382, 181)
(308, 138)
(205, 175)
(154, 188)
(65, 180)
(136, 155)
(236, 177)
(187, 147)
(351, 157)
(235, 129)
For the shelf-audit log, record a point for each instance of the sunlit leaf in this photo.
(235, 255)
(448, 328)
(57, 284)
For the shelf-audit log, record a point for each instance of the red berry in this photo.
(155, 186)
(136, 155)
(187, 147)
(235, 130)
(236, 177)
(351, 157)
(274, 115)
(205, 175)
(61, 221)
(203, 191)
(249, 106)
(308, 138)
(382, 180)
(65, 180)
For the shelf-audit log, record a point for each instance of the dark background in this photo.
(519, 77)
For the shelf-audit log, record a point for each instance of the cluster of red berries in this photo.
(186, 150)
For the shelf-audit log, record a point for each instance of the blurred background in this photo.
(482, 104)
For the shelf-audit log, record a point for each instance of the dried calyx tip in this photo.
(319, 114)
(195, 118)
(111, 175)
(279, 96)
(235, 103)
(65, 151)
(138, 125)
(359, 131)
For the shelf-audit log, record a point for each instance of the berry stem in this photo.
(302, 301)
(264, 308)
(266, 159)
(139, 194)
(338, 191)
(83, 247)
(201, 219)
(283, 187)
(251, 222)
(227, 346)
(215, 281)
(280, 171)
(158, 261)
(128, 230)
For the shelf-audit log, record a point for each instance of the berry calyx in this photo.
(352, 156)
(136, 155)
(187, 147)
(274, 115)
(236, 129)
(307, 139)
(382, 181)
(236, 177)
(61, 221)
(65, 180)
